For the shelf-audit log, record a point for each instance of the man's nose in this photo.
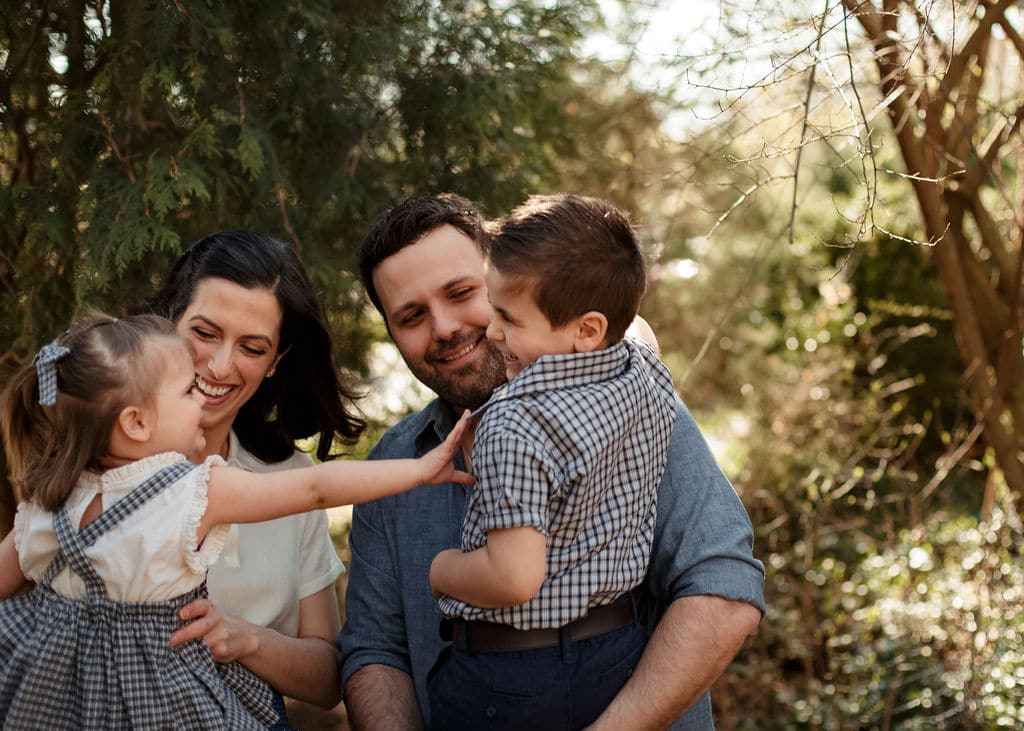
(447, 322)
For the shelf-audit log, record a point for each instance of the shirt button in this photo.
(491, 711)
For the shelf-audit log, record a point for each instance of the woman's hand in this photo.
(437, 464)
(228, 638)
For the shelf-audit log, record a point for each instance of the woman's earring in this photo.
(271, 372)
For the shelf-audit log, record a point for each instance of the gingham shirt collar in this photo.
(551, 372)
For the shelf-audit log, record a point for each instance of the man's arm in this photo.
(376, 671)
(692, 645)
(704, 574)
(382, 697)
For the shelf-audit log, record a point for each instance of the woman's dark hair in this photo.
(108, 364)
(305, 396)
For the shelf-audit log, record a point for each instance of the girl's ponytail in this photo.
(26, 427)
(85, 379)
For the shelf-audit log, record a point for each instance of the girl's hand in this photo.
(227, 637)
(437, 463)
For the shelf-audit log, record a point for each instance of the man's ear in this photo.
(135, 422)
(591, 327)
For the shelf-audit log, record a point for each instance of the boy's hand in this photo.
(438, 462)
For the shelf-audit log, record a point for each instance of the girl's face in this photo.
(177, 405)
(233, 333)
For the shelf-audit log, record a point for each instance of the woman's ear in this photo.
(273, 367)
(591, 327)
(135, 422)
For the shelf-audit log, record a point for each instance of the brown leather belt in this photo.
(472, 636)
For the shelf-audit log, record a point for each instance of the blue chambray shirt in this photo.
(703, 545)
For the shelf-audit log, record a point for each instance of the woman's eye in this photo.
(462, 293)
(201, 333)
(255, 352)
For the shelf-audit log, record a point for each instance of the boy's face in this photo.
(178, 406)
(518, 328)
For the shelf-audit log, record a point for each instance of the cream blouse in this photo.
(152, 555)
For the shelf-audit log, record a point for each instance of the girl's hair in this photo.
(109, 366)
(306, 396)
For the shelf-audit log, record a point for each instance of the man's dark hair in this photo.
(407, 223)
(575, 254)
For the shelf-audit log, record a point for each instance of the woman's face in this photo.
(233, 333)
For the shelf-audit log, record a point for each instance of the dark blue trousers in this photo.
(549, 689)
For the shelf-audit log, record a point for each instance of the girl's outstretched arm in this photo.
(237, 496)
(12, 580)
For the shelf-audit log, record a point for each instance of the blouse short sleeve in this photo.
(198, 557)
(319, 564)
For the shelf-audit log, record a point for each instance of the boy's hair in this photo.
(107, 368)
(575, 254)
(407, 223)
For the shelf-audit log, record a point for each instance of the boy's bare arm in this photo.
(509, 569)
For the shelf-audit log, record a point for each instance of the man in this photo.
(423, 268)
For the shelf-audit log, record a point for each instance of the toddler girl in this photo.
(117, 528)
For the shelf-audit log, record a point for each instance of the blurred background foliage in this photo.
(863, 402)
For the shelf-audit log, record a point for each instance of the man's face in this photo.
(434, 299)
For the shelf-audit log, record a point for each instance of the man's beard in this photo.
(467, 387)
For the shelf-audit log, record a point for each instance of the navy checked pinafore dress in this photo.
(94, 663)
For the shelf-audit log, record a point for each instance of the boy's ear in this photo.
(591, 327)
(135, 423)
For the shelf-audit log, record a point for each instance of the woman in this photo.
(264, 366)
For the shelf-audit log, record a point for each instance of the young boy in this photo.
(567, 456)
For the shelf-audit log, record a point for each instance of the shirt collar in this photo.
(439, 419)
(571, 370)
(546, 373)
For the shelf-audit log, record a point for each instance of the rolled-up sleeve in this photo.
(374, 632)
(514, 479)
(703, 542)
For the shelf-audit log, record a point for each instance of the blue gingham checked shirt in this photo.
(575, 447)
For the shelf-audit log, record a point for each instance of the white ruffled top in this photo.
(152, 555)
